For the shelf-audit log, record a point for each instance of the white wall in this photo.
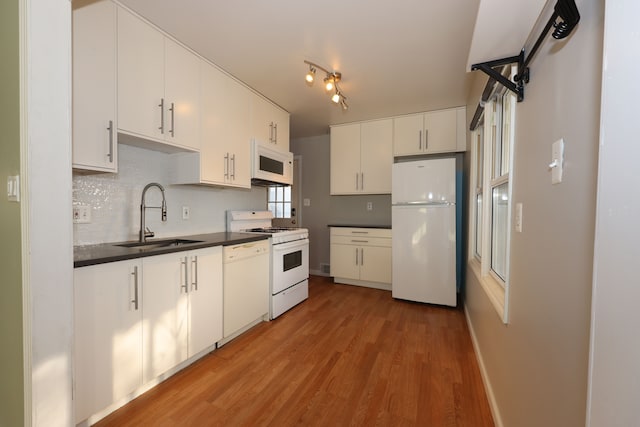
(615, 348)
(115, 200)
(46, 158)
(537, 365)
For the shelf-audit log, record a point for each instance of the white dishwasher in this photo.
(246, 287)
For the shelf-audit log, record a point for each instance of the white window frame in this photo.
(496, 288)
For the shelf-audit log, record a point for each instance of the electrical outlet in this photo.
(186, 212)
(82, 214)
(518, 219)
(369, 206)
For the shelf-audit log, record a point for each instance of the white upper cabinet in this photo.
(441, 131)
(158, 85)
(269, 123)
(225, 148)
(94, 86)
(361, 158)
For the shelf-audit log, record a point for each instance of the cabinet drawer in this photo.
(361, 241)
(361, 232)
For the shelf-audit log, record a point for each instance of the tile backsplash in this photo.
(114, 200)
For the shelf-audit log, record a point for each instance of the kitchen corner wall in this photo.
(115, 200)
(325, 209)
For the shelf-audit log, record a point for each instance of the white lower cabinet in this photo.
(361, 256)
(136, 320)
(182, 307)
(108, 334)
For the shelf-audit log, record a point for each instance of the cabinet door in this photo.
(262, 119)
(376, 156)
(440, 128)
(344, 261)
(345, 159)
(165, 309)
(94, 86)
(375, 264)
(213, 148)
(205, 298)
(182, 95)
(140, 77)
(281, 128)
(108, 335)
(408, 135)
(238, 133)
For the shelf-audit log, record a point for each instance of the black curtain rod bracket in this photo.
(567, 12)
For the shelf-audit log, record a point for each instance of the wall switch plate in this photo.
(518, 219)
(82, 214)
(186, 212)
(557, 161)
(306, 202)
(369, 206)
(13, 188)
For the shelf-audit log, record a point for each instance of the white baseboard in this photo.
(493, 404)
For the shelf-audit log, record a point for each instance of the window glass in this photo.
(279, 201)
(499, 229)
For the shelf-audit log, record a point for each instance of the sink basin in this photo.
(158, 243)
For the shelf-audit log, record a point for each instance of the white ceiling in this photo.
(395, 57)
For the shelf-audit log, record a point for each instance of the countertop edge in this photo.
(103, 253)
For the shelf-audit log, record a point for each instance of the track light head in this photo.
(311, 75)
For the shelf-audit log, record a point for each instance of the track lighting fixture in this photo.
(330, 83)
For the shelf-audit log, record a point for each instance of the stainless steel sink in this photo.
(158, 243)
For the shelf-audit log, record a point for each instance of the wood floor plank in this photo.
(348, 356)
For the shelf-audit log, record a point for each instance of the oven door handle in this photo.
(290, 245)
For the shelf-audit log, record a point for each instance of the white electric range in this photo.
(289, 257)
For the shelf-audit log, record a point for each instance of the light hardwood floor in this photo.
(348, 356)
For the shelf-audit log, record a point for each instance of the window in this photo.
(491, 203)
(279, 201)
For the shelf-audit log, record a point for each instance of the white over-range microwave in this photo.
(269, 166)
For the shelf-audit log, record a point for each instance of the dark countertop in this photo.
(109, 252)
(361, 226)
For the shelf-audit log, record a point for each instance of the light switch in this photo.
(306, 202)
(557, 161)
(13, 188)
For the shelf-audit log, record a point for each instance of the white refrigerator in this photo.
(423, 219)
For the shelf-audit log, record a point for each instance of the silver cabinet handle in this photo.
(185, 285)
(361, 256)
(194, 273)
(426, 139)
(357, 181)
(172, 130)
(226, 166)
(271, 132)
(359, 241)
(420, 140)
(135, 288)
(275, 133)
(362, 180)
(359, 232)
(233, 169)
(110, 129)
(161, 105)
(356, 256)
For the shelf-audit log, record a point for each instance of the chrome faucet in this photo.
(144, 231)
